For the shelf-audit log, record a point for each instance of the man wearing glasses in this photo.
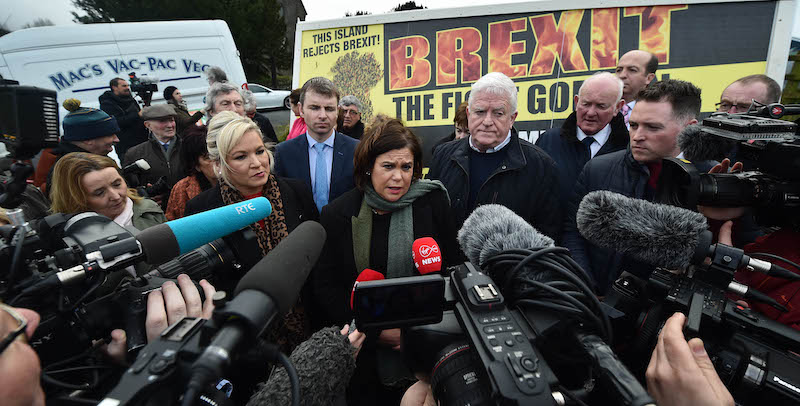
(350, 117)
(737, 97)
(20, 368)
(19, 364)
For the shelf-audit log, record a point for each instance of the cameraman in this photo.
(120, 104)
(680, 372)
(19, 365)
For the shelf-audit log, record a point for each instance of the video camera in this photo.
(768, 148)
(755, 357)
(71, 269)
(144, 87)
(531, 342)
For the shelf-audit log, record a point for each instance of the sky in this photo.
(16, 13)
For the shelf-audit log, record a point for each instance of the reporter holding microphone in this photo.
(374, 226)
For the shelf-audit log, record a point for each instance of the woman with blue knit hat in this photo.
(183, 120)
(85, 130)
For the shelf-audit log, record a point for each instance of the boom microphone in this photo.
(658, 234)
(493, 228)
(427, 255)
(269, 289)
(166, 241)
(698, 145)
(654, 233)
(324, 366)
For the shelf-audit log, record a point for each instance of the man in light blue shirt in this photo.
(324, 157)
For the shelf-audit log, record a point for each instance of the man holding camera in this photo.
(662, 111)
(161, 151)
(120, 104)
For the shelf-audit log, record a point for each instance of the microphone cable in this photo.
(294, 380)
(566, 290)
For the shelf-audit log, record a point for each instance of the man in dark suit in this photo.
(323, 158)
(595, 128)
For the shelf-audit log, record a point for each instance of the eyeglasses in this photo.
(353, 112)
(726, 106)
(19, 330)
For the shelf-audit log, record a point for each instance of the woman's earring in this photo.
(369, 173)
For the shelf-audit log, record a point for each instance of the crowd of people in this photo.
(363, 182)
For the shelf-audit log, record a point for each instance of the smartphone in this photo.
(399, 302)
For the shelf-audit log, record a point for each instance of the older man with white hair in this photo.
(597, 127)
(493, 165)
(222, 96)
(350, 117)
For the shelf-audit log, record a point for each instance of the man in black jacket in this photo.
(493, 165)
(120, 104)
(662, 111)
(595, 128)
(161, 151)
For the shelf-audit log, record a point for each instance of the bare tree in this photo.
(39, 22)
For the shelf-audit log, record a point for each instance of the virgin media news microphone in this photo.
(268, 290)
(166, 241)
(427, 255)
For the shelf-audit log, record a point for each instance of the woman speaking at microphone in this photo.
(374, 226)
(242, 162)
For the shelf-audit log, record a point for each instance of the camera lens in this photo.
(458, 377)
(725, 190)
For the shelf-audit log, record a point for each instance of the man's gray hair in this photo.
(215, 74)
(604, 76)
(350, 100)
(216, 90)
(497, 84)
(249, 100)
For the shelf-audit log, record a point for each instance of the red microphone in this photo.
(365, 275)
(427, 255)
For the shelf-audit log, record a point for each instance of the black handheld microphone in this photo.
(269, 289)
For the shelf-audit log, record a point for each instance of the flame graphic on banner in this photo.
(501, 48)
(458, 44)
(605, 36)
(557, 42)
(654, 26)
(408, 67)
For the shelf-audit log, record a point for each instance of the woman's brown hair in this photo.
(384, 134)
(66, 192)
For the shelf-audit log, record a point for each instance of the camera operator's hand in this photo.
(356, 338)
(723, 213)
(171, 304)
(419, 394)
(681, 373)
(391, 338)
(165, 307)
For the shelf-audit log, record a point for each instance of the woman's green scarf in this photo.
(401, 227)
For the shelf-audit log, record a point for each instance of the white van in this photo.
(78, 61)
